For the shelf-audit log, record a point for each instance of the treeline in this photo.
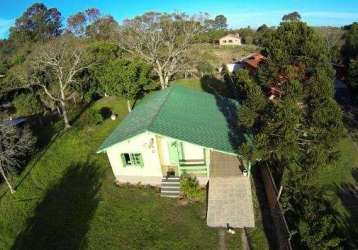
(48, 65)
(295, 132)
(350, 58)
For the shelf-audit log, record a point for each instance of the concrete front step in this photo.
(170, 182)
(168, 190)
(164, 189)
(169, 195)
(165, 180)
(170, 187)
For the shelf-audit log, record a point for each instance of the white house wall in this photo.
(164, 149)
(192, 152)
(146, 145)
(155, 154)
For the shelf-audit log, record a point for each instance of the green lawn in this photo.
(69, 201)
(218, 55)
(340, 183)
(340, 172)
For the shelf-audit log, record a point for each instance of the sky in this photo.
(239, 13)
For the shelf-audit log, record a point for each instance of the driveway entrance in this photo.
(229, 196)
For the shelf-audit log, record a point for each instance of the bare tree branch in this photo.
(162, 40)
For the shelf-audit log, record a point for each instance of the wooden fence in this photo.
(282, 231)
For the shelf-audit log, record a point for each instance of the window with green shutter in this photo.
(133, 159)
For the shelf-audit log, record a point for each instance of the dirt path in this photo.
(222, 242)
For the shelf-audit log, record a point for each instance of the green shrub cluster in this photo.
(190, 188)
(92, 117)
(27, 104)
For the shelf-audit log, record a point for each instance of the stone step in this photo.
(169, 195)
(170, 186)
(170, 190)
(170, 179)
(170, 183)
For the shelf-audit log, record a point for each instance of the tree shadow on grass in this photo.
(348, 193)
(61, 219)
(216, 86)
(78, 114)
(267, 222)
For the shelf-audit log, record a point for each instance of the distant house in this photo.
(230, 39)
(180, 131)
(252, 62)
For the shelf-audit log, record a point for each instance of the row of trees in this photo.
(350, 57)
(48, 66)
(296, 133)
(60, 64)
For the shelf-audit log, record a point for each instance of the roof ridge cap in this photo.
(160, 108)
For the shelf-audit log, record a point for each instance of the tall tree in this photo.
(349, 53)
(103, 28)
(124, 78)
(350, 47)
(315, 217)
(262, 33)
(77, 23)
(296, 132)
(292, 17)
(352, 77)
(247, 34)
(15, 144)
(37, 23)
(220, 22)
(161, 40)
(299, 65)
(262, 28)
(54, 67)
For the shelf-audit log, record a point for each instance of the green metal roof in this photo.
(184, 114)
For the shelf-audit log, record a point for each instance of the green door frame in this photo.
(175, 152)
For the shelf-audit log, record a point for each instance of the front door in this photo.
(175, 152)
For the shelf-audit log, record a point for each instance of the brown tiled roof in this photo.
(254, 60)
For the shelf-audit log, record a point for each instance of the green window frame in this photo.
(132, 159)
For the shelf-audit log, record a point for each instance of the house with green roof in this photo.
(179, 130)
(171, 132)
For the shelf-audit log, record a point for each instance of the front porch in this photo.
(178, 158)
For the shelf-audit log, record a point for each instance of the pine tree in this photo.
(296, 130)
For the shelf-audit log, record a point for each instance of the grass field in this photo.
(217, 55)
(340, 183)
(66, 198)
(69, 201)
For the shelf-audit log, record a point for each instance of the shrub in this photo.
(92, 117)
(27, 104)
(190, 188)
(205, 68)
(313, 218)
(105, 112)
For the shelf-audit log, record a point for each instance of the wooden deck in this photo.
(223, 165)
